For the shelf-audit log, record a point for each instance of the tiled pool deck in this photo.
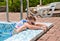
(52, 35)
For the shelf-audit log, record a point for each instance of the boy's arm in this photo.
(26, 25)
(32, 26)
(20, 28)
(40, 25)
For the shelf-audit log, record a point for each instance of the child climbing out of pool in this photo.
(28, 23)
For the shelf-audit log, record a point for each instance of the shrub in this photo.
(14, 5)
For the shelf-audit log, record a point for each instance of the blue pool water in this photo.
(6, 29)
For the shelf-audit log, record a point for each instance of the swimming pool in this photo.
(6, 29)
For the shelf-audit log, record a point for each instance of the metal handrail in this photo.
(21, 1)
(21, 4)
(7, 16)
(27, 7)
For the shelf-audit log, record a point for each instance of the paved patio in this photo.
(52, 35)
(13, 16)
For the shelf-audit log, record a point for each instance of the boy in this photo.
(29, 23)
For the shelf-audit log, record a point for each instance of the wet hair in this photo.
(32, 23)
(31, 18)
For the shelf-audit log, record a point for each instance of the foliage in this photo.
(14, 5)
(49, 1)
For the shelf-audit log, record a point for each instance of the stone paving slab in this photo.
(54, 33)
(13, 16)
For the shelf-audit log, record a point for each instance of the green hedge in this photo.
(15, 4)
(49, 1)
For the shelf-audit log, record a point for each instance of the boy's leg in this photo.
(14, 31)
